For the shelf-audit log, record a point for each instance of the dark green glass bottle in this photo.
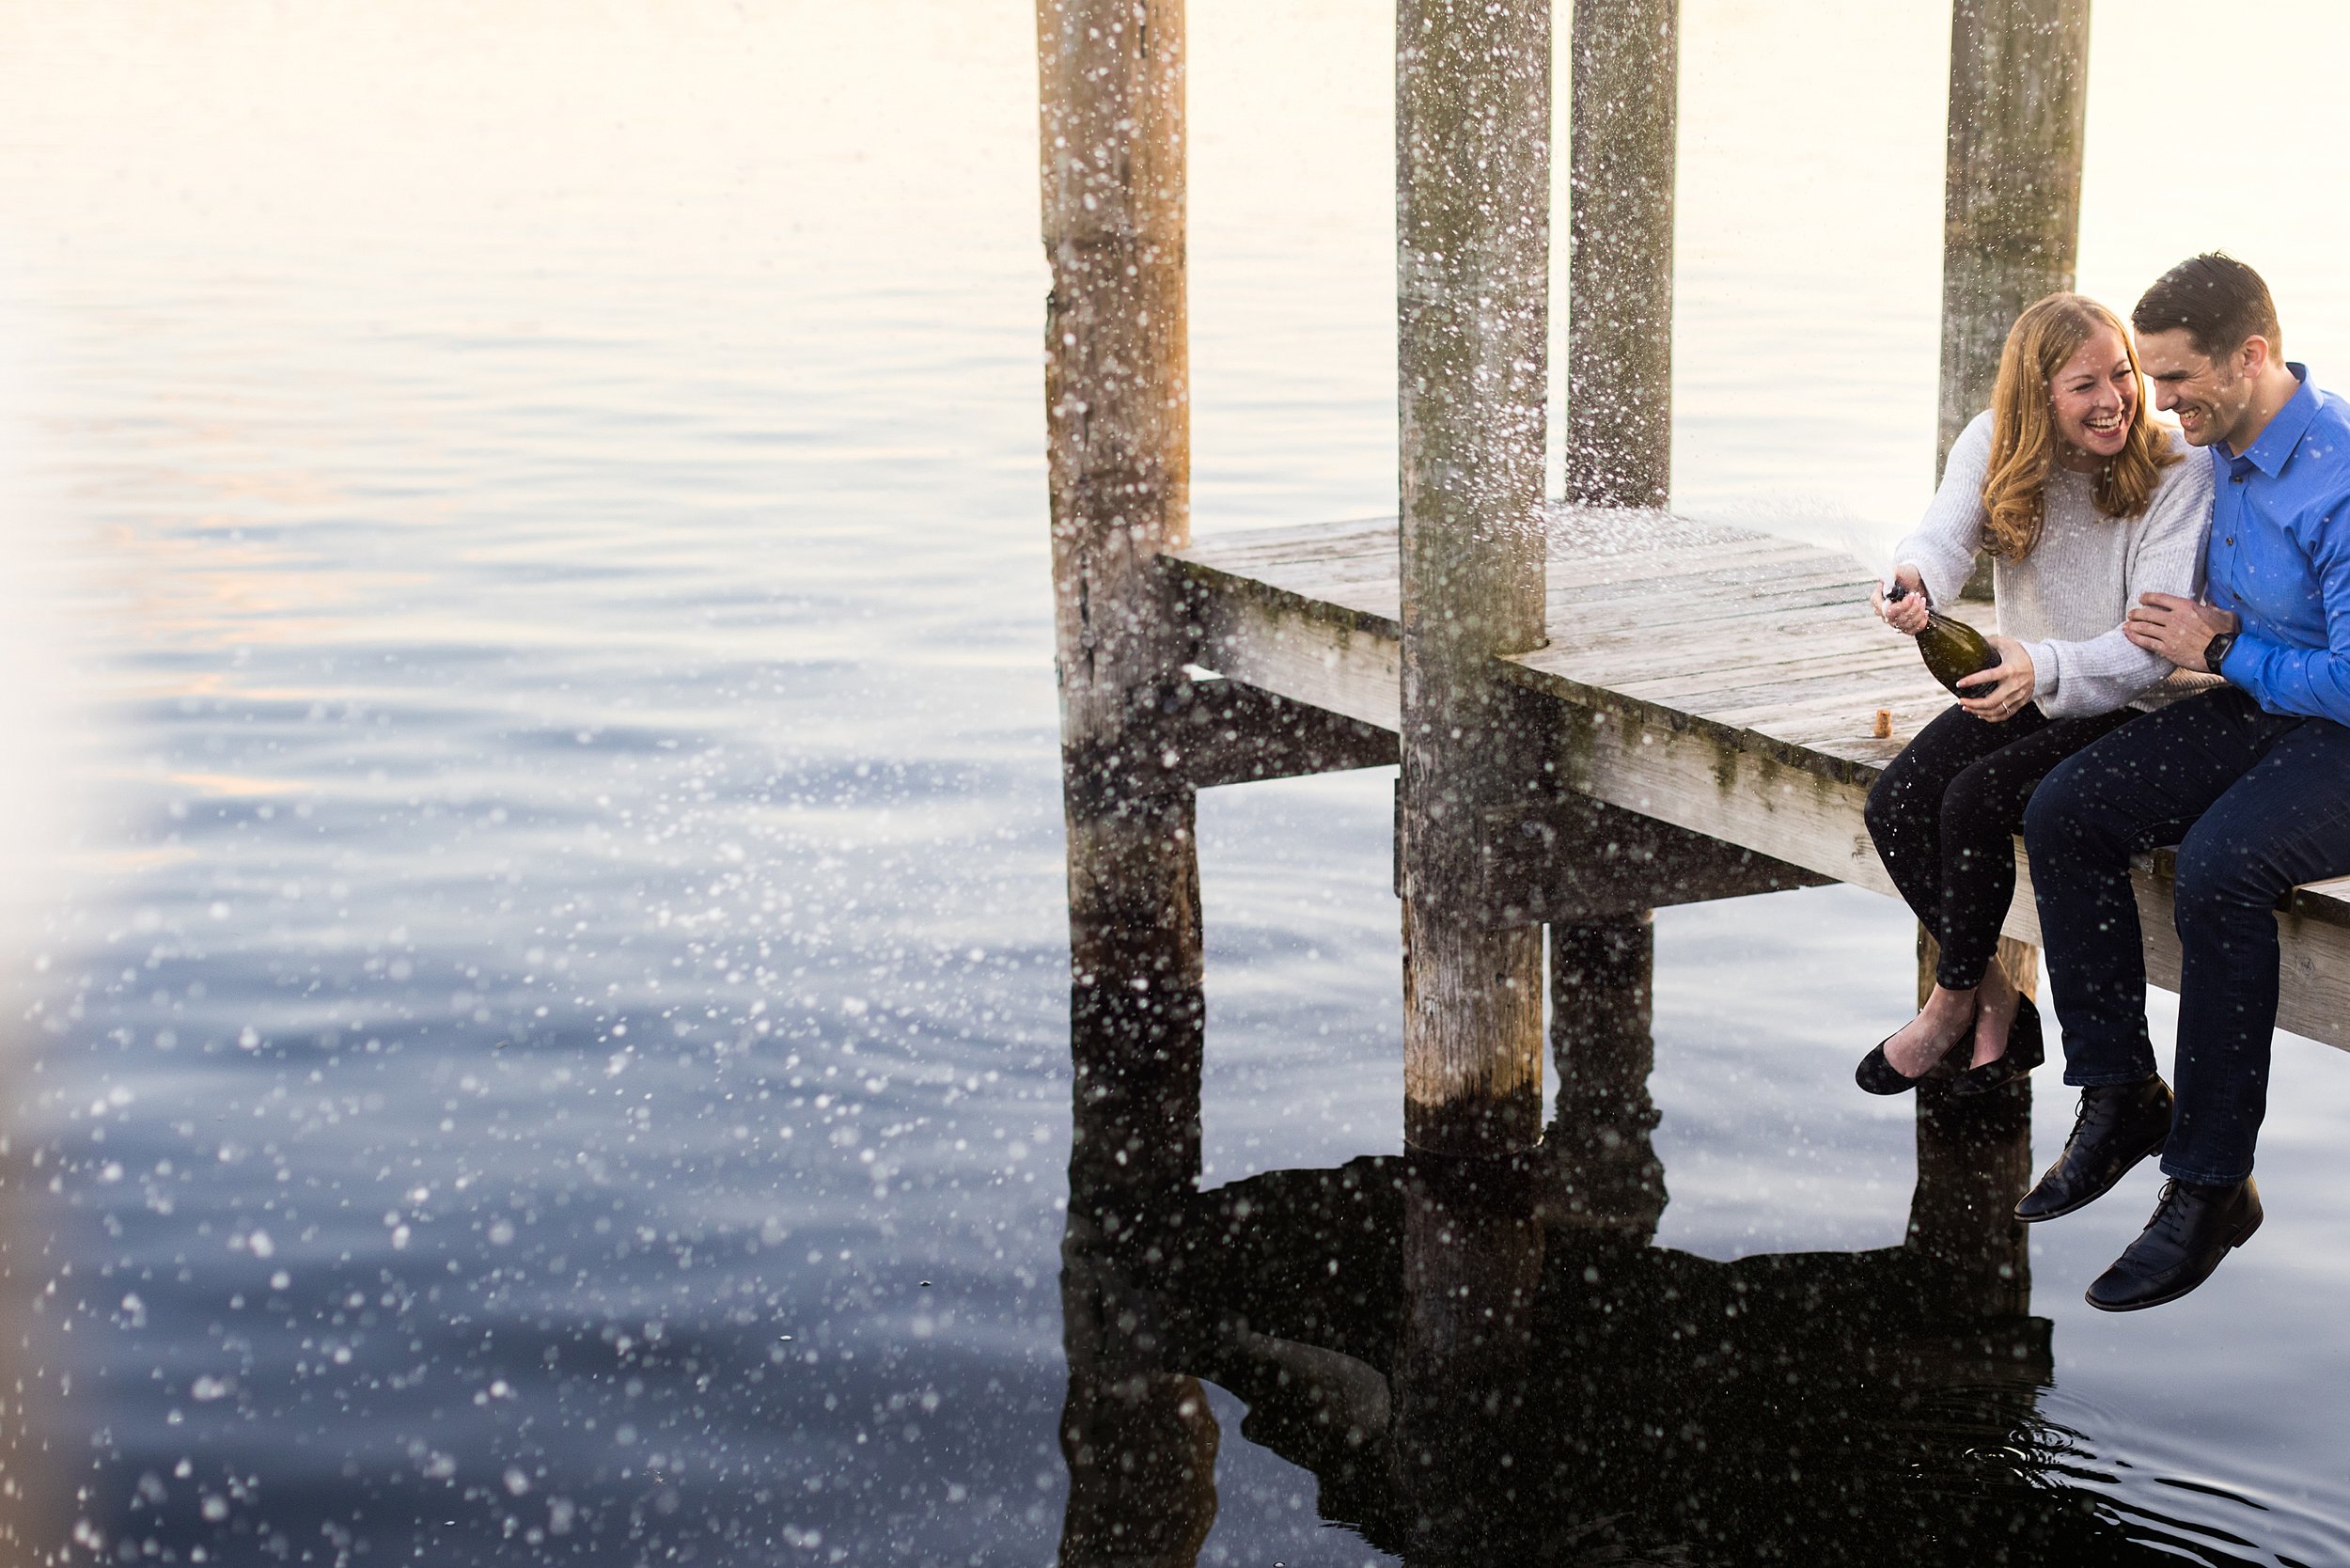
(1953, 649)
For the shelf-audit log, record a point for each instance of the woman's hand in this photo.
(1999, 693)
(1906, 614)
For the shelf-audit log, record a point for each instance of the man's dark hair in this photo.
(2216, 298)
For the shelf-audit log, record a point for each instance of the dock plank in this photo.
(1712, 678)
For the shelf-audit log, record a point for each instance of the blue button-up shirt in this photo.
(2279, 557)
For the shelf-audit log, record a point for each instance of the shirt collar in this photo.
(2284, 431)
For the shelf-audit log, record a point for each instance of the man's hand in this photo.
(1999, 693)
(1906, 614)
(2176, 628)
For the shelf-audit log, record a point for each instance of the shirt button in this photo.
(2231, 538)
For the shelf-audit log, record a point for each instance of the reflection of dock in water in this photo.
(1487, 1362)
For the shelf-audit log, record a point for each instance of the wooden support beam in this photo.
(1592, 871)
(1793, 808)
(1226, 732)
(2011, 188)
(1569, 858)
(1316, 654)
(1472, 333)
(1625, 99)
(1566, 857)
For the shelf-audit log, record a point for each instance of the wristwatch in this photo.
(2216, 649)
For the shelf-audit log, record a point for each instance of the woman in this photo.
(2084, 504)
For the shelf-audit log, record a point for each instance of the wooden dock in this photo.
(1711, 679)
(1596, 710)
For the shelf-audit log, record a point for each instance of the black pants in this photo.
(2256, 802)
(1945, 813)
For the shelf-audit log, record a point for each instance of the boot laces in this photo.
(2171, 1212)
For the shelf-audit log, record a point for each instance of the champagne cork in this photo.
(1884, 727)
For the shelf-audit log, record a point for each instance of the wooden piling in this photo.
(1118, 412)
(1624, 101)
(1473, 258)
(2011, 189)
(1118, 402)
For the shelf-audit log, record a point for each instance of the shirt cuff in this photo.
(2044, 667)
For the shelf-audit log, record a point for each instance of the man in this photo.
(2250, 779)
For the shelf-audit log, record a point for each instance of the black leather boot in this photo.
(2118, 1125)
(2193, 1228)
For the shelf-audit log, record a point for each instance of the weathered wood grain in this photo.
(1224, 732)
(1624, 110)
(1472, 139)
(2011, 189)
(1345, 661)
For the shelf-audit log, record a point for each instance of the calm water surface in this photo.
(556, 1048)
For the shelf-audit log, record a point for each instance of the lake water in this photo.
(553, 1043)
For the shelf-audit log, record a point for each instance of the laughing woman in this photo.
(2083, 505)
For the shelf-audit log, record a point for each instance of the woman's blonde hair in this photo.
(2024, 439)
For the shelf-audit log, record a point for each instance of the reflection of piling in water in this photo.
(1467, 1384)
(1489, 1360)
(1136, 1430)
(1974, 1161)
(1136, 1434)
(1475, 1374)
(1604, 1173)
(1472, 1267)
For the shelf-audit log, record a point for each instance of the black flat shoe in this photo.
(2194, 1228)
(2025, 1051)
(1880, 1076)
(2117, 1127)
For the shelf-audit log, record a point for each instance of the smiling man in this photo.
(2250, 779)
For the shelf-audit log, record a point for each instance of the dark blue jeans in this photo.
(2256, 803)
(1943, 816)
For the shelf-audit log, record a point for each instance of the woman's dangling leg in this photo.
(1982, 811)
(1904, 817)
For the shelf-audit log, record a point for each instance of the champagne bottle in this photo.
(1953, 649)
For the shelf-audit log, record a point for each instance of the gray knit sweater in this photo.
(2065, 601)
